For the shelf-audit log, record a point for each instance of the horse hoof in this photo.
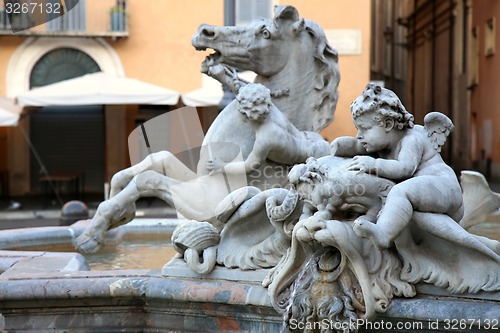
(87, 244)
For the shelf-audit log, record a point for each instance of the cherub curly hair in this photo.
(385, 103)
(254, 93)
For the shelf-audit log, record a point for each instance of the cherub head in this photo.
(377, 112)
(254, 102)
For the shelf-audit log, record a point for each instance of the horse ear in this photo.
(298, 26)
(286, 13)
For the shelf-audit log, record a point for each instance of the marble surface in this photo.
(147, 301)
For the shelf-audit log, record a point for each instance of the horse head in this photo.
(291, 56)
(260, 46)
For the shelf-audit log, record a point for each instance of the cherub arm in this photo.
(347, 146)
(252, 162)
(225, 74)
(401, 168)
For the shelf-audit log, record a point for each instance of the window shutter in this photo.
(248, 10)
(263, 8)
(244, 11)
(72, 20)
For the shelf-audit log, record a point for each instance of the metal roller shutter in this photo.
(69, 140)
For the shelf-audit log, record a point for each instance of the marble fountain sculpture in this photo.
(331, 238)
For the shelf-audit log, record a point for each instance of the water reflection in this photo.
(134, 254)
(131, 252)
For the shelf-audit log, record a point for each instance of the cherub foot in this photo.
(366, 229)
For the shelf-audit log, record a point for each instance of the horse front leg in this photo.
(110, 214)
(120, 209)
(162, 162)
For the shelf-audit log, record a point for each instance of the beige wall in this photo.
(159, 48)
(7, 47)
(354, 69)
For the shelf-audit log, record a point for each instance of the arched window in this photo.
(61, 64)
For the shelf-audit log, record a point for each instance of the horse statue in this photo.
(279, 52)
(291, 57)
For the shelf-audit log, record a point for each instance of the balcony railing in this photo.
(89, 18)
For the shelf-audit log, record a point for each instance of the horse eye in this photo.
(266, 34)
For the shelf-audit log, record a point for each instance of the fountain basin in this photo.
(42, 291)
(132, 301)
(143, 243)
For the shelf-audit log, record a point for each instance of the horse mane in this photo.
(326, 88)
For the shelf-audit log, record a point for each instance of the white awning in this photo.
(211, 93)
(99, 89)
(9, 112)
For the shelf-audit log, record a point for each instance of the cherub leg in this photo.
(424, 193)
(394, 217)
(445, 227)
(162, 162)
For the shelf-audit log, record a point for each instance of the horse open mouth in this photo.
(215, 55)
(200, 48)
(211, 59)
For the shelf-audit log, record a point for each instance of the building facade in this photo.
(451, 66)
(483, 85)
(148, 41)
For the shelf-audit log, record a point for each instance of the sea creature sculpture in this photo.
(192, 240)
(326, 254)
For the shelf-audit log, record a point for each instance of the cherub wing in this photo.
(438, 127)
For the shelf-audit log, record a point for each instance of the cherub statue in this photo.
(404, 153)
(276, 138)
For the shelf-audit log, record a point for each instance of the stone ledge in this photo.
(14, 264)
(177, 268)
(144, 300)
(138, 284)
(426, 308)
(133, 301)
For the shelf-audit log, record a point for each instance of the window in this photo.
(474, 58)
(489, 37)
(61, 64)
(72, 20)
(375, 35)
(4, 21)
(248, 10)
(389, 38)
